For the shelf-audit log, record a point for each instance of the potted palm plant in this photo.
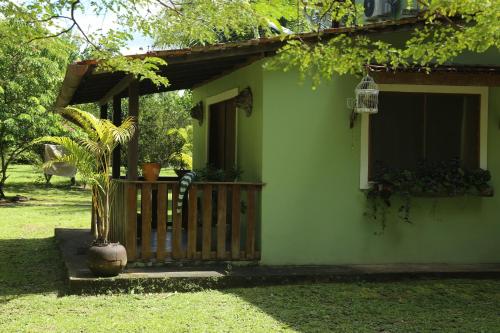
(91, 154)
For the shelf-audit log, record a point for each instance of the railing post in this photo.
(192, 222)
(207, 222)
(161, 224)
(221, 221)
(251, 225)
(177, 252)
(235, 223)
(146, 218)
(131, 220)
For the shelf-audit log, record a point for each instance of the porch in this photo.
(189, 277)
(219, 221)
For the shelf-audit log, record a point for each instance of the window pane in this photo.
(451, 130)
(470, 131)
(411, 127)
(396, 131)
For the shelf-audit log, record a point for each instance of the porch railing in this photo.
(218, 221)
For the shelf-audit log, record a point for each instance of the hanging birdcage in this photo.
(366, 96)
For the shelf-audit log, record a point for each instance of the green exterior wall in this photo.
(312, 210)
(249, 132)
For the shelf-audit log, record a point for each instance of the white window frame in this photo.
(221, 97)
(411, 88)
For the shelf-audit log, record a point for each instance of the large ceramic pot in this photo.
(107, 260)
(151, 171)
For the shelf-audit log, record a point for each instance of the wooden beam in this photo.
(438, 78)
(117, 89)
(133, 145)
(117, 121)
(72, 79)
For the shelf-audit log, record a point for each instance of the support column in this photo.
(104, 111)
(117, 121)
(133, 145)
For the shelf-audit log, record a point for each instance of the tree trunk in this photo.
(3, 178)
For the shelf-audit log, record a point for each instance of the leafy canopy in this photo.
(29, 78)
(450, 28)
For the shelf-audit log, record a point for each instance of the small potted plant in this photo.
(151, 167)
(91, 154)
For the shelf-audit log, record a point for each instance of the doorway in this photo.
(222, 135)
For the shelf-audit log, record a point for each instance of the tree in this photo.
(29, 77)
(91, 154)
(448, 28)
(160, 114)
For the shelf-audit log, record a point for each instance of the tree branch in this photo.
(62, 32)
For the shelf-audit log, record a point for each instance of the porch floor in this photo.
(177, 276)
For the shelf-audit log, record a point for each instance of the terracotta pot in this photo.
(151, 171)
(107, 260)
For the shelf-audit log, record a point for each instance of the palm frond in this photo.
(85, 120)
(91, 155)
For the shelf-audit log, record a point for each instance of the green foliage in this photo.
(160, 115)
(181, 140)
(219, 19)
(91, 154)
(210, 173)
(450, 28)
(445, 178)
(29, 78)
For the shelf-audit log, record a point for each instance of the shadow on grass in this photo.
(30, 266)
(302, 308)
(46, 189)
(433, 305)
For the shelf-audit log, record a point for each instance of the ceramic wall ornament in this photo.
(197, 112)
(244, 101)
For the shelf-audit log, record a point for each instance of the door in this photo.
(222, 135)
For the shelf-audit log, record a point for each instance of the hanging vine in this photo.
(437, 179)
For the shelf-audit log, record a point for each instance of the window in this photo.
(424, 123)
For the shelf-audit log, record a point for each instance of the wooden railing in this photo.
(218, 221)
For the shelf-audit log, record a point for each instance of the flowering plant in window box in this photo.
(428, 179)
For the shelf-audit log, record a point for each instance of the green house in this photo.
(308, 160)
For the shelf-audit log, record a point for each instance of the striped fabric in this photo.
(185, 181)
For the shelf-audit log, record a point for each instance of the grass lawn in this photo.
(32, 289)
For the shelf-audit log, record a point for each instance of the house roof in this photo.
(190, 67)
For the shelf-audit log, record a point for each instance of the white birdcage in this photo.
(366, 96)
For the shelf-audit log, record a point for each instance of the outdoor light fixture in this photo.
(366, 100)
(197, 112)
(244, 101)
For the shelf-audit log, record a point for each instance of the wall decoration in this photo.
(197, 112)
(244, 101)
